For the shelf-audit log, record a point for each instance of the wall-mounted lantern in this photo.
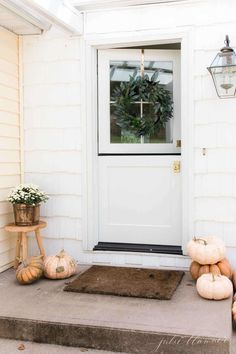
(223, 71)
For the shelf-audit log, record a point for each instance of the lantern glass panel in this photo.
(224, 59)
(225, 80)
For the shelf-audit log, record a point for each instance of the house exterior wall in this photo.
(10, 168)
(52, 133)
(53, 106)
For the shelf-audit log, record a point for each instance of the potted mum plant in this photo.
(26, 199)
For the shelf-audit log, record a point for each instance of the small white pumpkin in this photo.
(206, 250)
(60, 266)
(214, 287)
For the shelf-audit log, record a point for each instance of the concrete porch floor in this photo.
(42, 312)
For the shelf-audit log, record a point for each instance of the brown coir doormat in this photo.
(121, 281)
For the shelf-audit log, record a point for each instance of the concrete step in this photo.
(42, 312)
(10, 346)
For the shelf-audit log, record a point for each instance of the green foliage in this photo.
(157, 112)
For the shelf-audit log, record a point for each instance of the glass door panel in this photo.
(128, 121)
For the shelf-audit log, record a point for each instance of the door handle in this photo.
(176, 166)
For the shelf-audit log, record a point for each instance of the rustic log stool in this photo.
(22, 239)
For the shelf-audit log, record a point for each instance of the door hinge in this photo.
(178, 143)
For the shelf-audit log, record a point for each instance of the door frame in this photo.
(89, 47)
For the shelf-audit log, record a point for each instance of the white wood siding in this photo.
(52, 133)
(9, 138)
(53, 151)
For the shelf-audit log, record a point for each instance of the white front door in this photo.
(139, 168)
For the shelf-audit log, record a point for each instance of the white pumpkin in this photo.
(214, 287)
(206, 250)
(60, 266)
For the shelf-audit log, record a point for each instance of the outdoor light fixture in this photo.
(223, 71)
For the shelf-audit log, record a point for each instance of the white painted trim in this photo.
(84, 5)
(141, 260)
(89, 133)
(60, 12)
(91, 44)
(84, 144)
(24, 11)
(21, 107)
(187, 129)
(6, 266)
(42, 14)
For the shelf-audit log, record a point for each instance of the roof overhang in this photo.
(35, 16)
(60, 12)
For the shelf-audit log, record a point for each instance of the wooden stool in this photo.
(22, 239)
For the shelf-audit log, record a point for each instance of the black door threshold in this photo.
(138, 247)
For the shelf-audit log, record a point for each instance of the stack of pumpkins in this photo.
(210, 268)
(234, 307)
(234, 298)
(60, 266)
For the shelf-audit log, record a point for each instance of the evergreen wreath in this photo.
(159, 109)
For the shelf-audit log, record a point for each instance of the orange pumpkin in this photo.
(234, 282)
(30, 270)
(221, 268)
